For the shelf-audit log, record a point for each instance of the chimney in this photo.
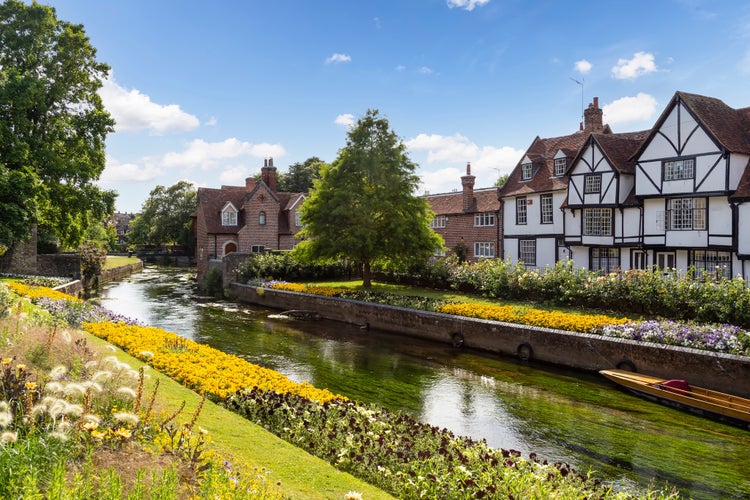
(249, 183)
(268, 174)
(592, 118)
(467, 181)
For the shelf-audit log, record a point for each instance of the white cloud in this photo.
(583, 66)
(400, 68)
(346, 119)
(425, 70)
(466, 4)
(133, 110)
(211, 122)
(487, 162)
(234, 175)
(642, 107)
(209, 155)
(338, 58)
(116, 172)
(630, 69)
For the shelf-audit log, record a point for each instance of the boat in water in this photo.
(680, 394)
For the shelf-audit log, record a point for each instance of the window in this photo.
(547, 212)
(484, 249)
(262, 218)
(606, 260)
(297, 219)
(526, 170)
(258, 248)
(593, 183)
(686, 214)
(712, 263)
(665, 260)
(677, 170)
(521, 210)
(229, 216)
(639, 260)
(438, 221)
(597, 222)
(527, 252)
(560, 166)
(484, 219)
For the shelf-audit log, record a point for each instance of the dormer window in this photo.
(560, 166)
(229, 215)
(526, 169)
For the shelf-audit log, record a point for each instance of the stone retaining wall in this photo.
(116, 273)
(723, 372)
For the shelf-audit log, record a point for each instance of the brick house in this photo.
(470, 218)
(245, 219)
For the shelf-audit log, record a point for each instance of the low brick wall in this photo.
(723, 372)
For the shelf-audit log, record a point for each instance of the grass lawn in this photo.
(301, 475)
(118, 261)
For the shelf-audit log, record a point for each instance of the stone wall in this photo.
(120, 272)
(717, 371)
(59, 264)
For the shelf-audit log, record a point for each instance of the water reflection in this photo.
(561, 415)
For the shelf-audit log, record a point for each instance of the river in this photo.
(561, 415)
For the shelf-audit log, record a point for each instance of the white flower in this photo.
(74, 389)
(101, 376)
(6, 418)
(126, 417)
(8, 437)
(126, 391)
(58, 372)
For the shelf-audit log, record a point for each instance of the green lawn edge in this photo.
(302, 476)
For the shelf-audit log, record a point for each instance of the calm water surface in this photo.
(562, 415)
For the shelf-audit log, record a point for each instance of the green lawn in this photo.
(119, 261)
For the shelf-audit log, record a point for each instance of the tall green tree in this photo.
(165, 216)
(363, 207)
(52, 126)
(300, 177)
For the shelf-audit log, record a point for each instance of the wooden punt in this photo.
(678, 393)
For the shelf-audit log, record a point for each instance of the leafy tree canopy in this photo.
(363, 207)
(165, 216)
(52, 126)
(300, 177)
(502, 180)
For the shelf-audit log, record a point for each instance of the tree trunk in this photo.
(366, 279)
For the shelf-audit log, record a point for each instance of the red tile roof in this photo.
(211, 201)
(485, 200)
(542, 155)
(619, 148)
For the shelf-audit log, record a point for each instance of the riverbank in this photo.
(722, 372)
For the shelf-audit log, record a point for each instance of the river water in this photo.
(561, 415)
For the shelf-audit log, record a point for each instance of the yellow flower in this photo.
(99, 435)
(122, 433)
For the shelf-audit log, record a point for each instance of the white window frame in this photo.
(560, 165)
(686, 214)
(229, 215)
(679, 170)
(438, 222)
(484, 219)
(297, 219)
(546, 209)
(521, 212)
(597, 221)
(527, 252)
(527, 170)
(484, 249)
(262, 218)
(592, 183)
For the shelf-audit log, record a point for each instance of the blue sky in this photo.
(203, 91)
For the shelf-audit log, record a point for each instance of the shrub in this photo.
(282, 265)
(214, 283)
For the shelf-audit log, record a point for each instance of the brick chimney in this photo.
(592, 118)
(467, 181)
(268, 174)
(250, 183)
